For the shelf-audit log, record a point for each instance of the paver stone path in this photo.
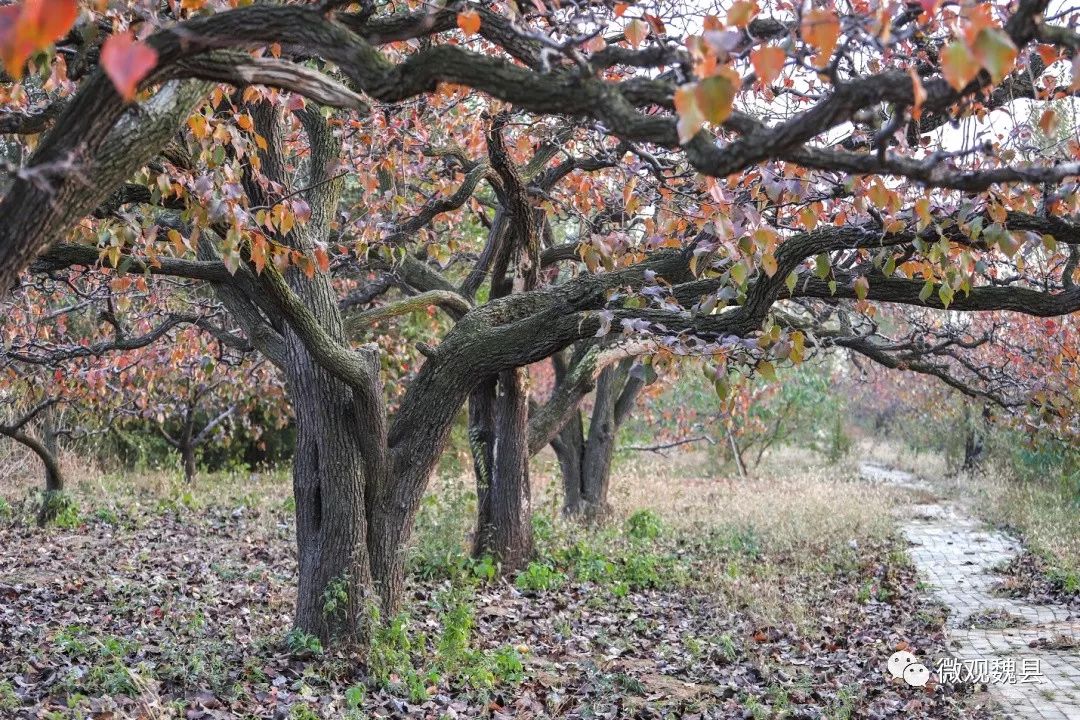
(955, 555)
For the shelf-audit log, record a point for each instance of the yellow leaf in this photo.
(958, 65)
(469, 22)
(768, 262)
(922, 209)
(862, 287)
(690, 117)
(995, 52)
(768, 62)
(715, 95)
(636, 31)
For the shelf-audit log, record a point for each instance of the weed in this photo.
(644, 525)
(8, 699)
(336, 596)
(302, 711)
(63, 510)
(538, 577)
(107, 516)
(303, 643)
(354, 696)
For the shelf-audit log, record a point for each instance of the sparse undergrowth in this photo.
(765, 598)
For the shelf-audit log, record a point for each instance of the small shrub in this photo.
(645, 570)
(8, 699)
(302, 711)
(336, 596)
(539, 577)
(303, 643)
(354, 696)
(644, 525)
(507, 666)
(62, 509)
(107, 516)
(6, 511)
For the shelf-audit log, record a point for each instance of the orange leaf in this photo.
(127, 61)
(1048, 53)
(469, 22)
(821, 28)
(32, 26)
(768, 62)
(690, 117)
(958, 65)
(322, 259)
(1048, 122)
(740, 13)
(918, 92)
(655, 23)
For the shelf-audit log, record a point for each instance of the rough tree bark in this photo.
(501, 461)
(499, 406)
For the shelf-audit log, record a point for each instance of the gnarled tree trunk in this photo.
(331, 519)
(47, 448)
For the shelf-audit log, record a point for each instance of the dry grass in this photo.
(804, 518)
(1047, 518)
(793, 501)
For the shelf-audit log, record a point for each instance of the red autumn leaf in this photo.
(32, 26)
(127, 61)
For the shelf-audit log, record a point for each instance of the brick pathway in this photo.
(955, 553)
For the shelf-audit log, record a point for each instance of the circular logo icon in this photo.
(899, 662)
(916, 674)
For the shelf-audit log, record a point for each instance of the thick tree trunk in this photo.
(569, 447)
(331, 523)
(499, 436)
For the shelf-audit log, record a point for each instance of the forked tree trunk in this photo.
(498, 433)
(585, 459)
